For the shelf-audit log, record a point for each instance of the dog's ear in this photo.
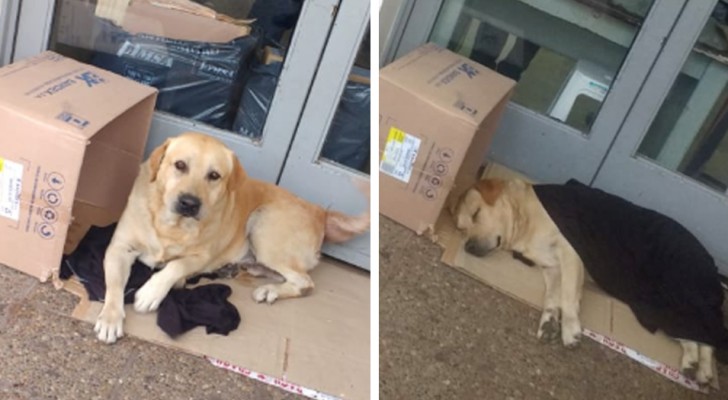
(491, 190)
(455, 200)
(237, 176)
(155, 159)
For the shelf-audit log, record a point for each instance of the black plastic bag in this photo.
(257, 96)
(349, 136)
(196, 80)
(274, 17)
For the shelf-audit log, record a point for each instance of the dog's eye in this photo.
(475, 215)
(213, 176)
(181, 166)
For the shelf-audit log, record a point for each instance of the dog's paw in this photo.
(704, 376)
(110, 324)
(265, 293)
(690, 371)
(549, 328)
(149, 297)
(570, 333)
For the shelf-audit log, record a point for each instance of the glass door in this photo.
(330, 156)
(237, 70)
(671, 154)
(579, 66)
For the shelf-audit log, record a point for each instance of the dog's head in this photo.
(194, 174)
(483, 215)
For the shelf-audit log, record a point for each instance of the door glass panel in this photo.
(688, 134)
(216, 62)
(347, 142)
(563, 53)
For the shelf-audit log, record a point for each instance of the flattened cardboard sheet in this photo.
(320, 342)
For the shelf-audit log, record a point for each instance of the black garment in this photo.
(87, 263)
(182, 309)
(644, 259)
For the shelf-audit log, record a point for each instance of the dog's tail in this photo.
(341, 227)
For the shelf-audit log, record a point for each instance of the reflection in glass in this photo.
(563, 53)
(688, 135)
(347, 142)
(216, 61)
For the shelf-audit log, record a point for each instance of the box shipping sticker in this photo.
(400, 153)
(11, 182)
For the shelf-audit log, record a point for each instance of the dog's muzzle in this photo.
(480, 248)
(188, 205)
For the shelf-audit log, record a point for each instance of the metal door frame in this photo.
(8, 18)
(320, 181)
(702, 210)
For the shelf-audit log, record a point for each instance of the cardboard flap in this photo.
(449, 81)
(64, 93)
(145, 17)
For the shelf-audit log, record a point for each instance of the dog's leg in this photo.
(572, 280)
(549, 327)
(690, 358)
(150, 295)
(117, 268)
(298, 283)
(704, 376)
(286, 242)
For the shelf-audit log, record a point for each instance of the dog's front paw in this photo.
(690, 371)
(149, 297)
(265, 293)
(549, 328)
(704, 375)
(110, 323)
(570, 332)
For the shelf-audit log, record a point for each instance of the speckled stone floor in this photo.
(444, 335)
(45, 354)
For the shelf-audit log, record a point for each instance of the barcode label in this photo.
(400, 153)
(11, 183)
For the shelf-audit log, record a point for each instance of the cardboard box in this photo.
(72, 140)
(78, 22)
(438, 114)
(604, 318)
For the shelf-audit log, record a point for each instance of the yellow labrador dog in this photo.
(510, 215)
(506, 215)
(193, 209)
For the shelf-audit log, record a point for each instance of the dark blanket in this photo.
(642, 258)
(182, 309)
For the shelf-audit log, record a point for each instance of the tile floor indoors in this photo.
(45, 354)
(444, 335)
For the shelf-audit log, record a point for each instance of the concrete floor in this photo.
(45, 354)
(444, 335)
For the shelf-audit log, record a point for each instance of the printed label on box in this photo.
(11, 182)
(400, 153)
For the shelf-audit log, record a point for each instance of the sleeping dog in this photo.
(639, 256)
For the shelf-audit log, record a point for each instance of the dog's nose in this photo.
(188, 205)
(473, 247)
